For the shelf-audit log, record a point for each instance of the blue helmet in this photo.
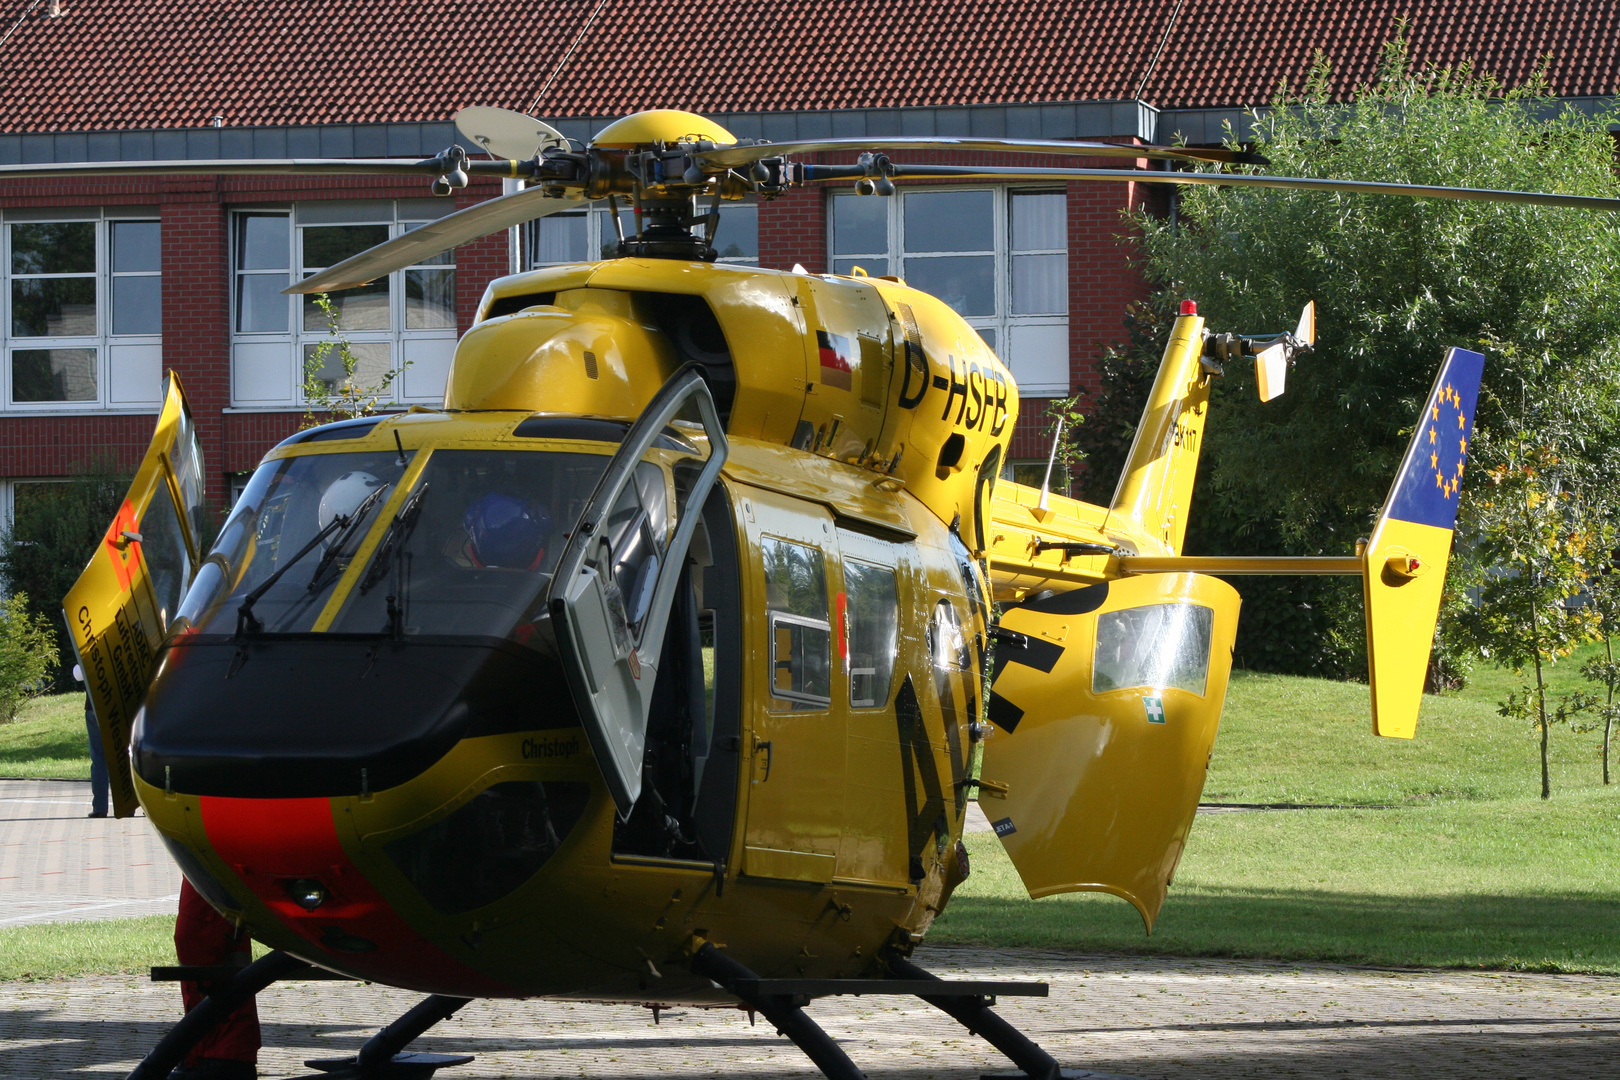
(507, 532)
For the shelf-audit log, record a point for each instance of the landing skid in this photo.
(381, 1058)
(782, 1001)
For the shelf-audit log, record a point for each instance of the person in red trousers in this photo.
(202, 936)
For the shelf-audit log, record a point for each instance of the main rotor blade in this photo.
(231, 166)
(1285, 183)
(733, 156)
(450, 231)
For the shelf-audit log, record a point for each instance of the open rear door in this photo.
(119, 610)
(1104, 719)
(615, 582)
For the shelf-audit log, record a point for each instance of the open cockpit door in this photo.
(119, 610)
(616, 579)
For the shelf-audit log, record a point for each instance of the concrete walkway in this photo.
(1150, 1018)
(56, 865)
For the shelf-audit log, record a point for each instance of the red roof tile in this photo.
(120, 64)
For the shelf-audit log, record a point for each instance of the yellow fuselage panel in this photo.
(864, 371)
(583, 353)
(845, 825)
(1104, 725)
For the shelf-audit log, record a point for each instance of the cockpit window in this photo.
(289, 539)
(471, 550)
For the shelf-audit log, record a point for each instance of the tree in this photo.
(27, 654)
(331, 391)
(54, 531)
(1395, 280)
(1529, 525)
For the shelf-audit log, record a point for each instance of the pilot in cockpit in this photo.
(506, 532)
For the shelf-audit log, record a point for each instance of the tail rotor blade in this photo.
(1305, 332)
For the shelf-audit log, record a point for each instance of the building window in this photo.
(19, 494)
(84, 320)
(999, 256)
(587, 235)
(404, 323)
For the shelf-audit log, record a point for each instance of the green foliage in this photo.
(1396, 280)
(1528, 522)
(331, 391)
(1126, 373)
(28, 654)
(1063, 417)
(55, 530)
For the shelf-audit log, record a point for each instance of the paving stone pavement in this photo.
(56, 865)
(1159, 1019)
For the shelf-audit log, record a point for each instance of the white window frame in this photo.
(1003, 325)
(139, 356)
(267, 367)
(8, 497)
(599, 233)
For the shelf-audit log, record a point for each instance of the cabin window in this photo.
(85, 312)
(801, 636)
(946, 642)
(872, 627)
(1159, 646)
(997, 255)
(401, 328)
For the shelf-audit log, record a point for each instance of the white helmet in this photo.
(344, 495)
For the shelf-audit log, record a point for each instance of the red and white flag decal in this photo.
(837, 360)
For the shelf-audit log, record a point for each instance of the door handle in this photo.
(765, 745)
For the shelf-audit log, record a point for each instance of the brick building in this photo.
(113, 280)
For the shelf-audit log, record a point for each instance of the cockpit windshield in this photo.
(468, 550)
(288, 540)
(471, 549)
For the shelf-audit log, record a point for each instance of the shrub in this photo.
(28, 654)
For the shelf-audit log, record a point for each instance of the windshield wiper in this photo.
(341, 541)
(246, 621)
(399, 530)
(391, 555)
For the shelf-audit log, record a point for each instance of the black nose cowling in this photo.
(321, 715)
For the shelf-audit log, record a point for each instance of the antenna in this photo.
(1046, 484)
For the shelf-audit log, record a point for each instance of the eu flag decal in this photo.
(837, 360)
(1426, 490)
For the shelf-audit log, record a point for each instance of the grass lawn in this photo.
(105, 947)
(1470, 868)
(47, 740)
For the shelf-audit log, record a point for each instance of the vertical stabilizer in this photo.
(1405, 569)
(1156, 487)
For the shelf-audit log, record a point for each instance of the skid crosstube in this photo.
(381, 1058)
(781, 1001)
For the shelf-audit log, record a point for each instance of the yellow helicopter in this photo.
(654, 666)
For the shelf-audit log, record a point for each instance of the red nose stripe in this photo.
(270, 842)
